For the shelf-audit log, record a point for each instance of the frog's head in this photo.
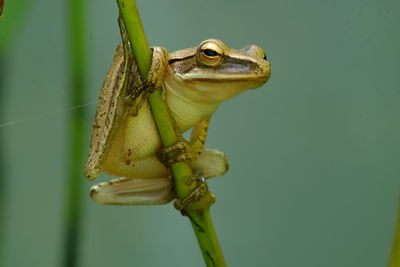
(213, 72)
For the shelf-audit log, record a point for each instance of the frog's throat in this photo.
(185, 110)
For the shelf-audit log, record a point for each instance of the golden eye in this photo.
(210, 54)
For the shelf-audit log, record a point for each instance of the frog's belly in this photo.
(134, 148)
(137, 142)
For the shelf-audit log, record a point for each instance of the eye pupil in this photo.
(210, 52)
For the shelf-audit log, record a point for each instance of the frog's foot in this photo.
(210, 163)
(154, 80)
(199, 192)
(125, 191)
(182, 150)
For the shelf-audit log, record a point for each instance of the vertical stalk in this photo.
(394, 260)
(2, 158)
(77, 75)
(197, 212)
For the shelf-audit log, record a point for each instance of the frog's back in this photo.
(109, 111)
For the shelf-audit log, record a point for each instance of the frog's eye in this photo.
(210, 54)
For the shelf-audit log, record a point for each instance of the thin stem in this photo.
(197, 212)
(77, 72)
(137, 37)
(3, 185)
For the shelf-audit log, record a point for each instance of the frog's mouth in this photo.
(231, 71)
(211, 91)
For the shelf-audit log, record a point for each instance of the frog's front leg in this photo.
(199, 135)
(188, 151)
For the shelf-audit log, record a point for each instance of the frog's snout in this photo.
(255, 51)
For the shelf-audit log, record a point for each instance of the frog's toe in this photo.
(125, 191)
(211, 162)
(183, 152)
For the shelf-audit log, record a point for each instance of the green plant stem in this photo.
(77, 125)
(3, 163)
(394, 260)
(199, 213)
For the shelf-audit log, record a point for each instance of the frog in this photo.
(194, 82)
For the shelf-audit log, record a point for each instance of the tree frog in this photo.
(194, 81)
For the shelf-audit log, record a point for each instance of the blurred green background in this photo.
(314, 177)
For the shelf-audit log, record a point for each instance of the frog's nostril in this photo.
(265, 57)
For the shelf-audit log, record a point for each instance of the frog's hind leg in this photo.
(211, 163)
(125, 191)
(153, 191)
